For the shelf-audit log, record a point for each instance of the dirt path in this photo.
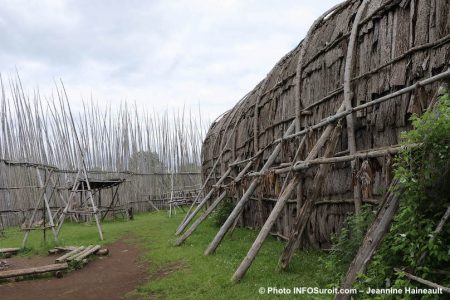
(110, 277)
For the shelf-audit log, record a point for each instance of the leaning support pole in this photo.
(265, 230)
(424, 281)
(200, 205)
(245, 264)
(303, 216)
(200, 220)
(213, 169)
(373, 238)
(216, 202)
(241, 203)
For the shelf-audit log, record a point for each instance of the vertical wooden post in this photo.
(348, 95)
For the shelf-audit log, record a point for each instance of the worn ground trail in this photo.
(109, 277)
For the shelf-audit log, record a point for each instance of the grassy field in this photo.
(199, 277)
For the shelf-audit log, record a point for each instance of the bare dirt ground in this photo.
(110, 277)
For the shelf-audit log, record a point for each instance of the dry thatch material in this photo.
(394, 45)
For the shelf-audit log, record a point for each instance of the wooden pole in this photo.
(203, 202)
(373, 238)
(33, 215)
(33, 271)
(304, 165)
(265, 230)
(303, 217)
(200, 220)
(241, 203)
(424, 281)
(348, 95)
(47, 204)
(69, 254)
(213, 205)
(86, 253)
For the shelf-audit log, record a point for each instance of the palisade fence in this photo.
(157, 155)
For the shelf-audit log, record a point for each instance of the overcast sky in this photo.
(161, 54)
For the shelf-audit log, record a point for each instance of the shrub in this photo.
(347, 241)
(424, 171)
(220, 215)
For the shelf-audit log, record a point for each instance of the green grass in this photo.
(199, 277)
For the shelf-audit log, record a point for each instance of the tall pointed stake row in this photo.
(241, 203)
(81, 178)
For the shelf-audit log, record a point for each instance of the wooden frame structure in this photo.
(81, 186)
(314, 156)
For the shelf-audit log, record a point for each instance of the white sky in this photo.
(160, 54)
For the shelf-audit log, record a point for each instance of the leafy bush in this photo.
(347, 241)
(220, 215)
(424, 171)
